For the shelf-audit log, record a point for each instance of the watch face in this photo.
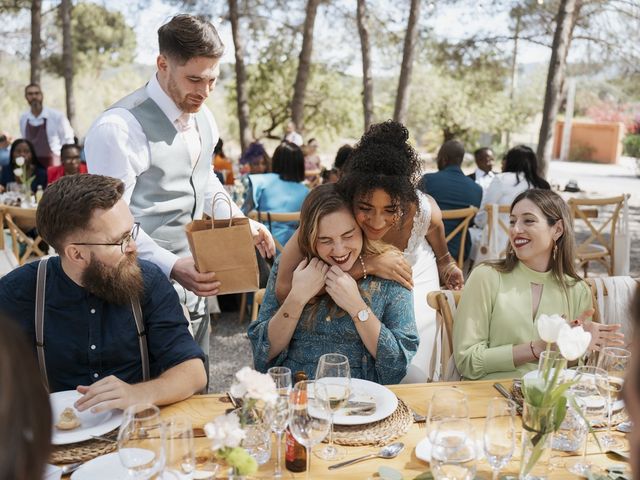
(363, 315)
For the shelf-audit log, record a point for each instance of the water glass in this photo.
(278, 414)
(257, 441)
(446, 403)
(141, 441)
(453, 451)
(181, 458)
(614, 361)
(310, 415)
(499, 433)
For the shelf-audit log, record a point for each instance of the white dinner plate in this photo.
(385, 400)
(109, 467)
(91, 423)
(423, 450)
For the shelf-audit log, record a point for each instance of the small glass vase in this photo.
(27, 200)
(537, 435)
(257, 440)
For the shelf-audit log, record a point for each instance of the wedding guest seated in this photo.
(23, 149)
(71, 164)
(371, 321)
(255, 160)
(494, 331)
(342, 157)
(222, 165)
(93, 340)
(25, 415)
(631, 389)
(483, 174)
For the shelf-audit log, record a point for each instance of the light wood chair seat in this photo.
(465, 215)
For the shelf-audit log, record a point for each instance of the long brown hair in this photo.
(25, 414)
(555, 209)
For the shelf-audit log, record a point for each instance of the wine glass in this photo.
(590, 393)
(499, 433)
(446, 403)
(278, 413)
(453, 451)
(141, 441)
(615, 362)
(333, 372)
(181, 458)
(309, 415)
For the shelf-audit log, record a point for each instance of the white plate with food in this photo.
(376, 400)
(109, 467)
(70, 425)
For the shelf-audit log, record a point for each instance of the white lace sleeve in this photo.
(421, 222)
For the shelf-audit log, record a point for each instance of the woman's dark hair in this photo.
(25, 414)
(288, 162)
(522, 160)
(383, 159)
(218, 150)
(342, 156)
(14, 145)
(254, 153)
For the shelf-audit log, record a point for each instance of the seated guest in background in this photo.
(25, 415)
(329, 175)
(495, 329)
(631, 388)
(5, 146)
(255, 160)
(342, 156)
(22, 148)
(222, 165)
(291, 135)
(484, 165)
(281, 191)
(451, 189)
(90, 330)
(312, 163)
(71, 164)
(371, 320)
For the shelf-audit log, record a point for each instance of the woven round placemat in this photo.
(83, 451)
(376, 433)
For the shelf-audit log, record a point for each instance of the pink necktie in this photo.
(186, 126)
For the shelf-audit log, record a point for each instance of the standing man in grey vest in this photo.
(159, 141)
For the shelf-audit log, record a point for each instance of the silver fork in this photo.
(417, 418)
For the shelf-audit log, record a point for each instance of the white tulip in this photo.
(252, 384)
(573, 342)
(17, 172)
(549, 327)
(19, 161)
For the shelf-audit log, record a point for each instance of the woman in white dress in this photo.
(380, 179)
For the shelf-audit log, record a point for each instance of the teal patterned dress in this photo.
(336, 333)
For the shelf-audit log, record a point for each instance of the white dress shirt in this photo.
(484, 179)
(117, 146)
(59, 131)
(504, 188)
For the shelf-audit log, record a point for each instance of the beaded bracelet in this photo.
(364, 269)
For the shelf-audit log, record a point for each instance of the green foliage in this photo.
(100, 37)
(632, 145)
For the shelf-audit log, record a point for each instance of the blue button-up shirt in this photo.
(86, 338)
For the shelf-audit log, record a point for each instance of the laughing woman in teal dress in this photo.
(371, 321)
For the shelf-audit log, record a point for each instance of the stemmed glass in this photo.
(615, 362)
(499, 433)
(309, 415)
(181, 458)
(278, 414)
(333, 372)
(453, 452)
(141, 441)
(446, 403)
(590, 391)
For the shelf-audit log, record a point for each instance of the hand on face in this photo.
(107, 394)
(308, 279)
(343, 289)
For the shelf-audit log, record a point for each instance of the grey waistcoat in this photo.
(171, 192)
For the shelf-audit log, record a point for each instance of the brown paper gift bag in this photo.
(225, 247)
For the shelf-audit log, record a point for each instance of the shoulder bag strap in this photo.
(41, 282)
(142, 339)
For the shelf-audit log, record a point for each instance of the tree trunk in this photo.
(67, 59)
(566, 20)
(367, 77)
(241, 77)
(304, 66)
(402, 97)
(36, 41)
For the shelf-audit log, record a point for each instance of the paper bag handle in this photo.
(217, 197)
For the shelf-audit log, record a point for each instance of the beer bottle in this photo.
(295, 453)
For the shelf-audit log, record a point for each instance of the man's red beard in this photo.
(119, 284)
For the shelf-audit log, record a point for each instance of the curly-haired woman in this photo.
(381, 181)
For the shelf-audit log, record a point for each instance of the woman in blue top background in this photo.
(24, 148)
(371, 321)
(280, 191)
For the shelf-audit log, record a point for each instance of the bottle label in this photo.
(290, 447)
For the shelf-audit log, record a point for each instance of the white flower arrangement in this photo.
(252, 385)
(225, 431)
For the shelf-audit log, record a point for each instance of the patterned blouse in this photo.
(323, 328)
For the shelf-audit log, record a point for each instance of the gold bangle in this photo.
(440, 258)
(364, 269)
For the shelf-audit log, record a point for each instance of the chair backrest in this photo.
(465, 215)
(258, 296)
(444, 318)
(498, 222)
(20, 220)
(272, 217)
(8, 259)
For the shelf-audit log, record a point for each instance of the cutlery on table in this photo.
(617, 454)
(507, 394)
(198, 432)
(388, 451)
(417, 418)
(70, 467)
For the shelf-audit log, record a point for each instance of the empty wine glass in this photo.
(499, 433)
(446, 403)
(181, 458)
(453, 451)
(278, 413)
(591, 383)
(141, 441)
(615, 362)
(333, 372)
(309, 415)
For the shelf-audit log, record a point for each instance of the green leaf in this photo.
(424, 476)
(560, 409)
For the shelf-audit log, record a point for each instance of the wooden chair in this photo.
(19, 220)
(498, 223)
(267, 218)
(444, 318)
(599, 245)
(465, 215)
(8, 260)
(258, 297)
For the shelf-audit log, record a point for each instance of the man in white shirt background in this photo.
(159, 141)
(47, 129)
(484, 163)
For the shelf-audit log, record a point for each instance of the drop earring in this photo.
(555, 251)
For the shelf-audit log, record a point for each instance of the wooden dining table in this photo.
(203, 408)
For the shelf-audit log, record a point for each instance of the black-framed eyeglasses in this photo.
(123, 244)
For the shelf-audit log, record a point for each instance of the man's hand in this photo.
(107, 394)
(263, 239)
(202, 284)
(308, 279)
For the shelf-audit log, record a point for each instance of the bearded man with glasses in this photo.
(101, 320)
